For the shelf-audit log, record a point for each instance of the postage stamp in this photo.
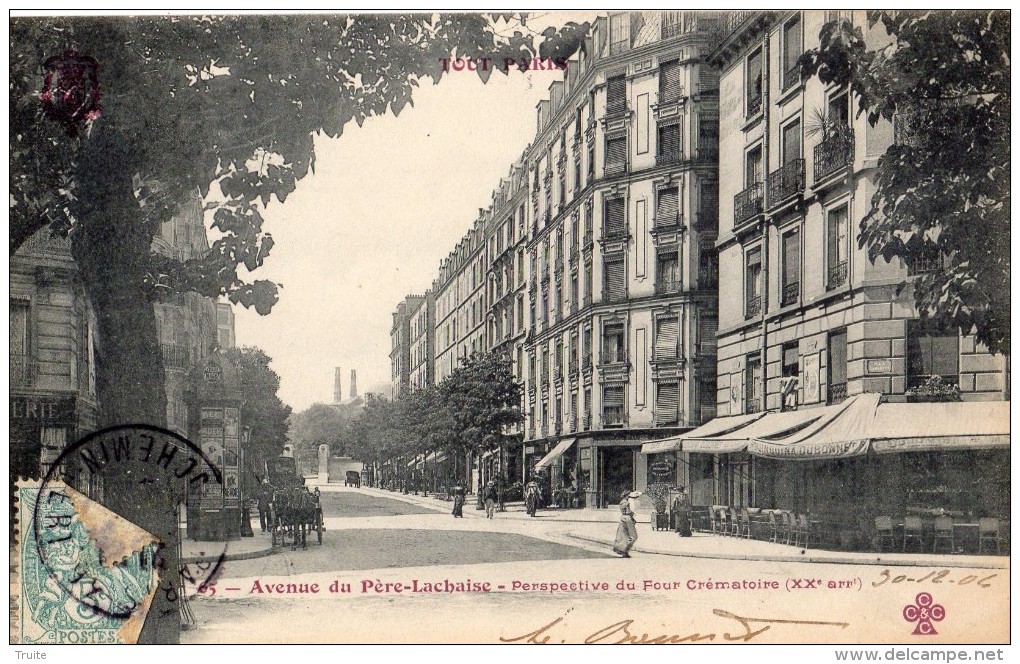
(86, 574)
(600, 327)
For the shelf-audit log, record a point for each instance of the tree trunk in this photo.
(112, 248)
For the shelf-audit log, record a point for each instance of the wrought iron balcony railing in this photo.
(748, 203)
(667, 286)
(615, 356)
(753, 307)
(786, 181)
(834, 154)
(614, 417)
(837, 275)
(668, 158)
(791, 291)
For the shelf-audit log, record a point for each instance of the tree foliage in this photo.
(942, 199)
(262, 411)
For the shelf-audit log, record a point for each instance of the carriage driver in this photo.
(265, 499)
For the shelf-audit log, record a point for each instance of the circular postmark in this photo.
(107, 561)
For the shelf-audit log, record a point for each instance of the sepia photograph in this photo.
(556, 327)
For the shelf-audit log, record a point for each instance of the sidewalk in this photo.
(596, 526)
(242, 549)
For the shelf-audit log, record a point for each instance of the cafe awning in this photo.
(923, 427)
(555, 453)
(737, 440)
(833, 432)
(716, 426)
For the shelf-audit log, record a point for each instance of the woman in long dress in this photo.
(458, 501)
(682, 512)
(626, 533)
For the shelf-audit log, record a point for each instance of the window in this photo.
(614, 344)
(669, 82)
(752, 283)
(667, 338)
(20, 361)
(753, 167)
(558, 359)
(708, 136)
(667, 273)
(839, 110)
(753, 82)
(752, 385)
(667, 209)
(838, 248)
(931, 354)
(708, 267)
(613, 413)
(545, 364)
(574, 358)
(708, 329)
(793, 46)
(588, 213)
(616, 95)
(927, 258)
(619, 33)
(791, 267)
(573, 293)
(668, 144)
(615, 281)
(791, 143)
(837, 366)
(616, 154)
(615, 218)
(708, 208)
(667, 401)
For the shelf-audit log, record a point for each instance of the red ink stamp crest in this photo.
(925, 612)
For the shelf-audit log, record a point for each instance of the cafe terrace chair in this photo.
(884, 531)
(912, 527)
(944, 533)
(773, 527)
(734, 522)
(802, 530)
(744, 525)
(988, 531)
(718, 517)
(786, 521)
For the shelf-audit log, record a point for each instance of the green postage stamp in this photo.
(85, 575)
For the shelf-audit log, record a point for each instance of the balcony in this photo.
(615, 356)
(834, 154)
(176, 356)
(753, 307)
(791, 292)
(837, 275)
(22, 369)
(786, 182)
(668, 158)
(614, 296)
(667, 287)
(748, 203)
(670, 30)
(614, 417)
(615, 168)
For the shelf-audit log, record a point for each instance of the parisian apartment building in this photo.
(595, 267)
(54, 340)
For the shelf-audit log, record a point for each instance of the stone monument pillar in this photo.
(323, 464)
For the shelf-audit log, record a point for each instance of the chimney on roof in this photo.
(336, 385)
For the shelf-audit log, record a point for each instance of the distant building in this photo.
(423, 343)
(400, 350)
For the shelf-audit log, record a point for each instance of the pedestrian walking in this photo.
(681, 509)
(532, 493)
(501, 492)
(458, 501)
(626, 533)
(489, 495)
(265, 501)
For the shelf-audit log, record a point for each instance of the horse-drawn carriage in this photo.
(293, 509)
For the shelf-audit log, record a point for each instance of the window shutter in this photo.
(668, 333)
(616, 218)
(668, 208)
(669, 140)
(669, 81)
(791, 258)
(666, 403)
(707, 330)
(616, 279)
(616, 150)
(616, 94)
(612, 396)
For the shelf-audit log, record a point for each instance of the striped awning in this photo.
(717, 426)
(555, 453)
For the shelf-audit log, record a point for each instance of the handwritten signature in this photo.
(625, 632)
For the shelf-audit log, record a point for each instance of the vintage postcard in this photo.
(589, 327)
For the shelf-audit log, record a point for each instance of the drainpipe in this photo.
(766, 67)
